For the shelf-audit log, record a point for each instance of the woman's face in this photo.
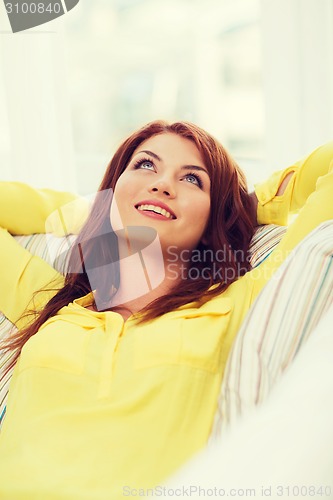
(165, 186)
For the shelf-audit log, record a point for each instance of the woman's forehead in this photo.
(171, 146)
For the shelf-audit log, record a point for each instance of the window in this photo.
(136, 61)
(257, 74)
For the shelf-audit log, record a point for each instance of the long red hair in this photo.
(230, 228)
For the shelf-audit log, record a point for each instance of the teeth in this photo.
(157, 210)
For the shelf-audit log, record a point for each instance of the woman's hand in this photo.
(24, 209)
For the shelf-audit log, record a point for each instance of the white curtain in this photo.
(36, 96)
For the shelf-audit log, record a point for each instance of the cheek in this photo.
(126, 189)
(116, 209)
(200, 212)
(115, 217)
(124, 195)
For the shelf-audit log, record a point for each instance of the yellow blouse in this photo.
(99, 406)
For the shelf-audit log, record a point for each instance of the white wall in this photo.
(298, 76)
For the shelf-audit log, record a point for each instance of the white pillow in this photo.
(279, 322)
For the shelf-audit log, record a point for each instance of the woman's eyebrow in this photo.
(184, 167)
(154, 155)
(194, 167)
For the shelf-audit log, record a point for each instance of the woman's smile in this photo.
(156, 209)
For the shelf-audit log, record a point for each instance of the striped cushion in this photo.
(282, 318)
(264, 241)
(54, 251)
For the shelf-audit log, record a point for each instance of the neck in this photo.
(144, 277)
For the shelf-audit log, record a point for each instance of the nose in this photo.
(163, 186)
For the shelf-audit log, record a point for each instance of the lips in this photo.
(154, 207)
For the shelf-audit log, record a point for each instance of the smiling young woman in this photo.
(225, 220)
(114, 389)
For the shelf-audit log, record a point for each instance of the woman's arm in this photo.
(309, 192)
(23, 274)
(280, 192)
(25, 210)
(284, 193)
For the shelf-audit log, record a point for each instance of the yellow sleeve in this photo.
(23, 274)
(25, 210)
(274, 209)
(310, 192)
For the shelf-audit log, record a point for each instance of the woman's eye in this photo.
(146, 165)
(193, 179)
